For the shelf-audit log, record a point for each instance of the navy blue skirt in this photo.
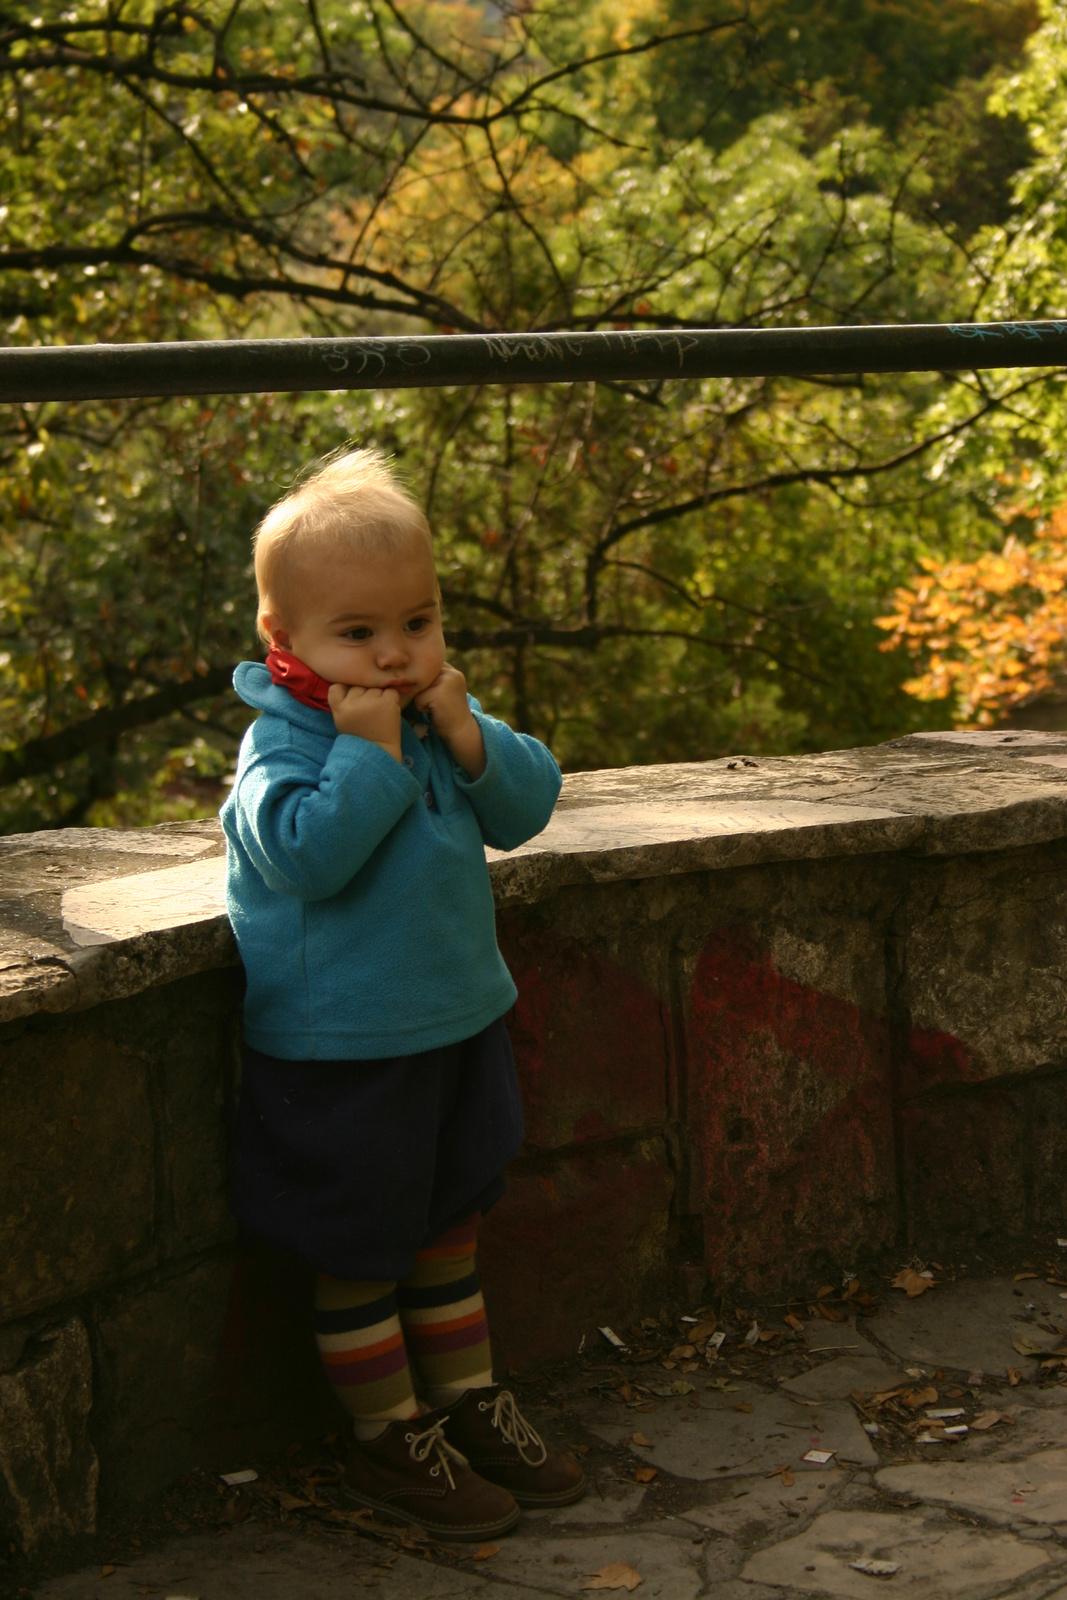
(354, 1166)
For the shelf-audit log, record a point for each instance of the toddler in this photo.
(379, 1104)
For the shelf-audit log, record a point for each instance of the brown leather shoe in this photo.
(502, 1447)
(410, 1473)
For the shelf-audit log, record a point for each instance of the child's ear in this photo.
(273, 625)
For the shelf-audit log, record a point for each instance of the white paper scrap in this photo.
(249, 1475)
(613, 1339)
(819, 1458)
(875, 1569)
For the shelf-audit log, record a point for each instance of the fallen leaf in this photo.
(683, 1352)
(1021, 1277)
(831, 1313)
(639, 1438)
(920, 1397)
(742, 1405)
(105, 1572)
(766, 1334)
(988, 1419)
(827, 1288)
(616, 1575)
(681, 1386)
(1026, 1347)
(794, 1322)
(644, 1474)
(913, 1283)
(1014, 1376)
(887, 1394)
(290, 1502)
(784, 1473)
(704, 1329)
(625, 1391)
(484, 1551)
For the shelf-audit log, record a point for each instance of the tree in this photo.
(992, 632)
(989, 631)
(637, 573)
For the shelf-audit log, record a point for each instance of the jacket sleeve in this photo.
(514, 797)
(309, 829)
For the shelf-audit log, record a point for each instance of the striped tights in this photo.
(368, 1332)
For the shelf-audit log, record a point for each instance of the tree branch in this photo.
(41, 755)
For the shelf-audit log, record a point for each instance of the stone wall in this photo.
(772, 1018)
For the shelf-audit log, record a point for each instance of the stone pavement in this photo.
(730, 1510)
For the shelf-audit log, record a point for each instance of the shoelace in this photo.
(422, 1444)
(514, 1427)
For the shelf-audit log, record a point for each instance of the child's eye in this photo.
(358, 634)
(418, 624)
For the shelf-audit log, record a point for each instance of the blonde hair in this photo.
(353, 499)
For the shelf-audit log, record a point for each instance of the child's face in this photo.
(371, 621)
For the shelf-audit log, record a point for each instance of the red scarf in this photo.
(303, 684)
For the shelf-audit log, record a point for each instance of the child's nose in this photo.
(392, 650)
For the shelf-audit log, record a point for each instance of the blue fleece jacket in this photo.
(357, 885)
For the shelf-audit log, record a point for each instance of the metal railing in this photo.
(253, 366)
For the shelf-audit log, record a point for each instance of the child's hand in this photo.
(372, 714)
(446, 702)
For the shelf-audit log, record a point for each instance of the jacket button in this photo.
(408, 762)
(428, 797)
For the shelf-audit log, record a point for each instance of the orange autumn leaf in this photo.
(989, 633)
(644, 1474)
(616, 1575)
(913, 1283)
